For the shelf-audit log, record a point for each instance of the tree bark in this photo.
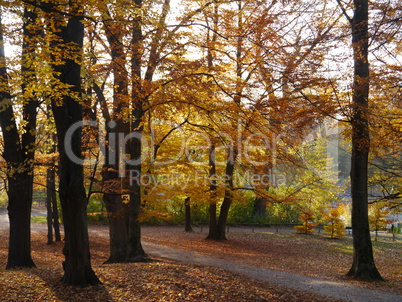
(363, 266)
(49, 210)
(118, 220)
(55, 211)
(113, 185)
(51, 206)
(228, 198)
(260, 206)
(135, 252)
(187, 209)
(77, 264)
(19, 153)
(213, 221)
(219, 224)
(113, 196)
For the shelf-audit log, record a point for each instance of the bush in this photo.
(241, 212)
(96, 211)
(307, 218)
(335, 227)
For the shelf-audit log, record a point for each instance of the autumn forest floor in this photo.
(168, 280)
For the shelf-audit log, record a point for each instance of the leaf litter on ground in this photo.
(167, 280)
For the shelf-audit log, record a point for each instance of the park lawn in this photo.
(159, 280)
(310, 255)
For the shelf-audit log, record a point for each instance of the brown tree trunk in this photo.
(223, 215)
(213, 221)
(77, 264)
(113, 199)
(19, 213)
(260, 206)
(19, 153)
(363, 266)
(49, 209)
(51, 206)
(123, 215)
(219, 231)
(118, 220)
(135, 252)
(187, 214)
(55, 211)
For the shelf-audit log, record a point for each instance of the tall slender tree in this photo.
(363, 266)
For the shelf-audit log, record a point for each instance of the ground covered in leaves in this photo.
(165, 280)
(159, 280)
(311, 255)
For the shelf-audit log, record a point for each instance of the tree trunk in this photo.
(49, 209)
(51, 206)
(19, 153)
(223, 215)
(19, 213)
(260, 207)
(135, 252)
(77, 264)
(213, 221)
(55, 210)
(187, 209)
(219, 231)
(363, 266)
(115, 206)
(118, 220)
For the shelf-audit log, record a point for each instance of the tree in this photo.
(187, 207)
(363, 266)
(378, 218)
(117, 123)
(51, 196)
(135, 95)
(307, 218)
(19, 150)
(335, 227)
(128, 114)
(67, 111)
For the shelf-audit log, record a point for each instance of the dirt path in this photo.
(293, 281)
(322, 287)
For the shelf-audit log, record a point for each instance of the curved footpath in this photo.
(318, 286)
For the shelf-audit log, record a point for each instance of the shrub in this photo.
(307, 218)
(335, 227)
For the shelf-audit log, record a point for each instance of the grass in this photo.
(38, 219)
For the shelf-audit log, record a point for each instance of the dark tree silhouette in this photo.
(19, 151)
(363, 266)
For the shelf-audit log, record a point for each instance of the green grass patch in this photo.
(38, 219)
